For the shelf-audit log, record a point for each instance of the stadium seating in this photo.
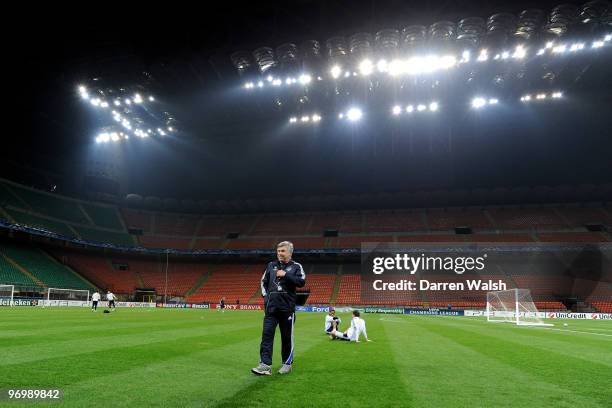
(137, 219)
(117, 238)
(98, 269)
(443, 220)
(182, 275)
(24, 218)
(7, 197)
(164, 242)
(230, 281)
(526, 218)
(349, 292)
(175, 224)
(50, 205)
(44, 268)
(11, 275)
(321, 283)
(397, 221)
(103, 216)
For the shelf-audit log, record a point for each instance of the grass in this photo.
(201, 358)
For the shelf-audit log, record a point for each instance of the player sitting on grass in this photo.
(358, 327)
(331, 321)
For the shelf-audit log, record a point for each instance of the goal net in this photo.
(75, 295)
(6, 295)
(513, 306)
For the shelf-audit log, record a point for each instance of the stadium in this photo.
(310, 203)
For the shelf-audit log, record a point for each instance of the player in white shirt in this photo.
(95, 298)
(330, 318)
(358, 327)
(110, 296)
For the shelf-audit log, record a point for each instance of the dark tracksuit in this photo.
(279, 302)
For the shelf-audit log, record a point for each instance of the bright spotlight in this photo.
(433, 106)
(396, 110)
(151, 98)
(95, 102)
(576, 47)
(288, 81)
(421, 108)
(305, 119)
(117, 102)
(260, 84)
(541, 96)
(269, 78)
(336, 71)
(292, 119)
(478, 102)
(483, 56)
(549, 44)
(382, 65)
(104, 104)
(341, 116)
(277, 82)
(316, 118)
(608, 37)
(505, 55)
(541, 51)
(559, 49)
(347, 74)
(493, 101)
(409, 108)
(170, 129)
(526, 98)
(366, 67)
(354, 114)
(114, 137)
(597, 44)
(557, 95)
(465, 56)
(128, 101)
(519, 52)
(137, 98)
(305, 79)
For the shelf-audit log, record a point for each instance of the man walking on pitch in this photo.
(95, 298)
(278, 284)
(110, 297)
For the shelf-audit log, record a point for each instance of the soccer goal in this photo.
(6, 295)
(513, 306)
(76, 295)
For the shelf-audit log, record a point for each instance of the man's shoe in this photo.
(262, 369)
(285, 369)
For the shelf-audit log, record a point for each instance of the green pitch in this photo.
(202, 358)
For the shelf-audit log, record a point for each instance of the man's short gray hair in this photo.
(286, 244)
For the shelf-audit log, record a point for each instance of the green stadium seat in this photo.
(8, 198)
(102, 216)
(10, 275)
(23, 218)
(118, 238)
(51, 205)
(44, 268)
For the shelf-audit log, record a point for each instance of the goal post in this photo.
(513, 306)
(7, 293)
(81, 295)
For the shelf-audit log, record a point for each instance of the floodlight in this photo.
(354, 114)
(478, 102)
